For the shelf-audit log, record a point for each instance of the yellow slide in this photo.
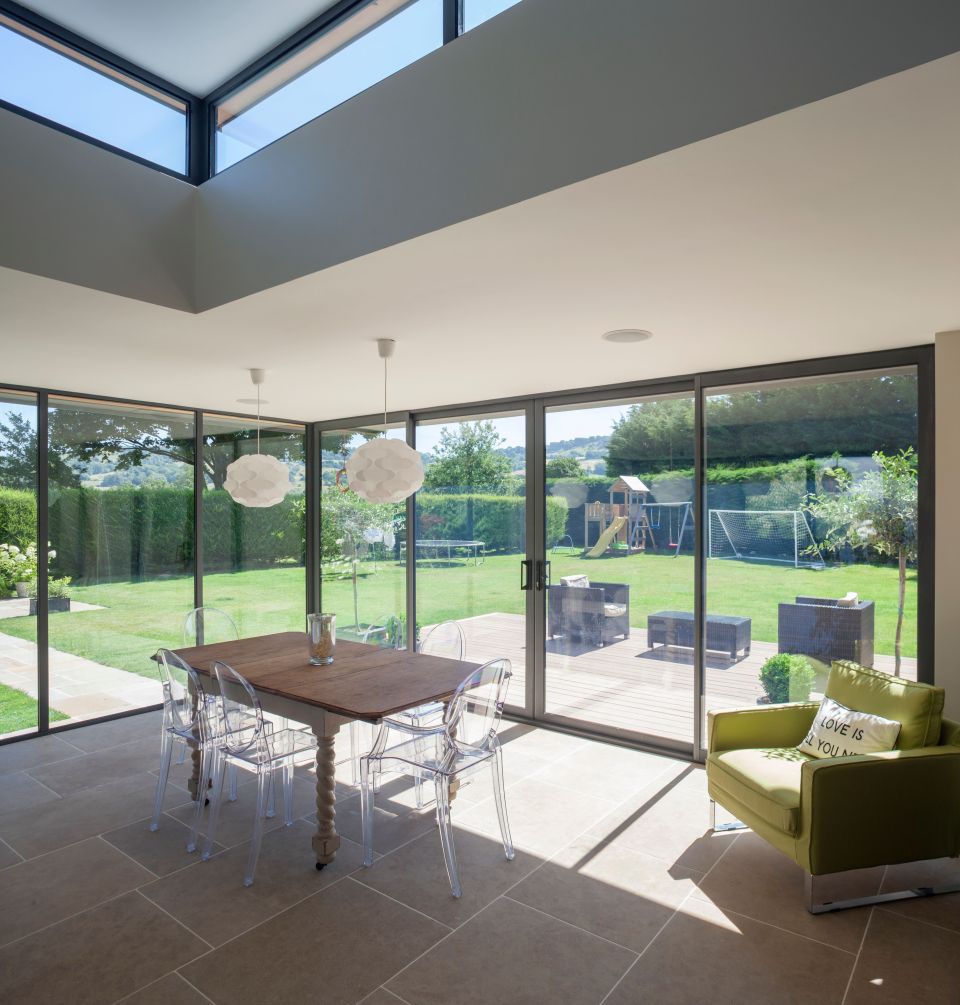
(606, 537)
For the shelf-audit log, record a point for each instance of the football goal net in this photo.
(763, 535)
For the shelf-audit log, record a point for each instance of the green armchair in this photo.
(835, 814)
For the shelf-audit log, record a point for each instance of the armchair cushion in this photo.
(917, 707)
(766, 780)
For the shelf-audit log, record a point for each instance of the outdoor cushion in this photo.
(917, 707)
(838, 731)
(580, 581)
(614, 610)
(765, 780)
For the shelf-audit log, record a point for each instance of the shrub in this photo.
(18, 517)
(498, 521)
(787, 677)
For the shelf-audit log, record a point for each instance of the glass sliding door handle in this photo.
(526, 574)
(543, 575)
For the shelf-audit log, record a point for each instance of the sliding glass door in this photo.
(618, 542)
(471, 536)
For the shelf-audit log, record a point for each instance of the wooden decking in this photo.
(626, 684)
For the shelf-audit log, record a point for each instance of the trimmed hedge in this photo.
(18, 517)
(498, 521)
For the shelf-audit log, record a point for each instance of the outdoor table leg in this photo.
(326, 841)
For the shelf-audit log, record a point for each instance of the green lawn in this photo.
(137, 618)
(19, 711)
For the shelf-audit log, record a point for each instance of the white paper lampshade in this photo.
(257, 480)
(384, 471)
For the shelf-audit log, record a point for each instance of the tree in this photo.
(467, 457)
(652, 436)
(564, 467)
(18, 456)
(878, 511)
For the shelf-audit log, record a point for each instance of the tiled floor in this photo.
(617, 894)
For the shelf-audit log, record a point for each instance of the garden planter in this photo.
(22, 590)
(54, 605)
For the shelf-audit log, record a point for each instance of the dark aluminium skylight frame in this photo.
(201, 111)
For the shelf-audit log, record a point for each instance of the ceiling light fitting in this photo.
(621, 336)
(384, 470)
(257, 480)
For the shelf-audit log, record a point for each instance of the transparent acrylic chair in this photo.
(384, 633)
(462, 743)
(246, 741)
(446, 640)
(206, 625)
(188, 725)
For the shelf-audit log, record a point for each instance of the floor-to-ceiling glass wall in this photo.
(121, 539)
(362, 545)
(470, 535)
(19, 684)
(811, 532)
(619, 539)
(254, 557)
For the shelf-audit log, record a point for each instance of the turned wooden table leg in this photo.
(193, 783)
(326, 841)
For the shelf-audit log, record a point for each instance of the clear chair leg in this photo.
(207, 758)
(421, 752)
(166, 750)
(288, 794)
(182, 755)
(216, 795)
(232, 779)
(442, 785)
(501, 798)
(354, 750)
(271, 798)
(264, 786)
(366, 810)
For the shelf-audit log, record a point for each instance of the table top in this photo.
(364, 682)
(712, 619)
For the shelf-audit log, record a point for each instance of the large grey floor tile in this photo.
(211, 900)
(83, 814)
(336, 947)
(670, 820)
(616, 893)
(382, 997)
(8, 856)
(944, 909)
(117, 731)
(416, 875)
(543, 817)
(510, 953)
(755, 879)
(18, 791)
(396, 818)
(45, 890)
(32, 753)
(612, 772)
(98, 956)
(170, 990)
(550, 744)
(705, 956)
(903, 960)
(161, 851)
(99, 768)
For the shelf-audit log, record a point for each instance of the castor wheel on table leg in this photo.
(321, 866)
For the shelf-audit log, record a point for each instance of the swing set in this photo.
(678, 517)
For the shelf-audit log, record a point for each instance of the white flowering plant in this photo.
(19, 565)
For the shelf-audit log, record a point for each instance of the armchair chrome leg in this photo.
(824, 907)
(734, 825)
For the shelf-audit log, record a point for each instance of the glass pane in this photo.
(477, 11)
(362, 547)
(49, 79)
(811, 500)
(254, 559)
(121, 537)
(354, 54)
(619, 538)
(471, 536)
(18, 536)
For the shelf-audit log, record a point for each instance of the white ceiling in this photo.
(828, 229)
(196, 45)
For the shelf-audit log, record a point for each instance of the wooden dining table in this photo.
(364, 682)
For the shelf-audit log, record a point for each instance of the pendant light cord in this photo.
(384, 395)
(258, 418)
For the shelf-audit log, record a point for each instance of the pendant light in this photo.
(257, 480)
(384, 470)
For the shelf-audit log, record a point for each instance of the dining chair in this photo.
(447, 640)
(385, 633)
(462, 743)
(246, 741)
(188, 725)
(206, 625)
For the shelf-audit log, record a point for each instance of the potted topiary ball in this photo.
(786, 677)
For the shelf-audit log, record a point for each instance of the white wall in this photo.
(947, 612)
(72, 211)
